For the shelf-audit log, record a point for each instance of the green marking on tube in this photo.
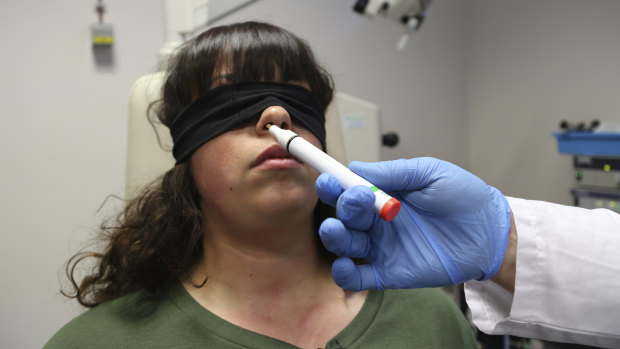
(374, 188)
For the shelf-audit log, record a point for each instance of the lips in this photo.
(275, 156)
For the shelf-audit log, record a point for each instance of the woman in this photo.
(223, 251)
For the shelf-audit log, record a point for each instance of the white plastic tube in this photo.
(385, 205)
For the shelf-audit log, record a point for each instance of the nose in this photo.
(276, 115)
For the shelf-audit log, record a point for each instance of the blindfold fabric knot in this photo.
(223, 108)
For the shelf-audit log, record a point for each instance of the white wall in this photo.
(532, 64)
(63, 140)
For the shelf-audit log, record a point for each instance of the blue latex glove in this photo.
(452, 227)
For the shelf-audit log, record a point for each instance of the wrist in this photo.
(508, 270)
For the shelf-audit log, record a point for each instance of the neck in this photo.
(274, 282)
(260, 263)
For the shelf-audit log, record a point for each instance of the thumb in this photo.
(328, 188)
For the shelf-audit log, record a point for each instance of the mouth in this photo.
(276, 156)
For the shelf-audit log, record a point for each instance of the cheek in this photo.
(209, 179)
(212, 173)
(308, 136)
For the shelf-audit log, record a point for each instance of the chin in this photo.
(288, 204)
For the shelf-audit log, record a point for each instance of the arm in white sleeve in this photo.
(567, 286)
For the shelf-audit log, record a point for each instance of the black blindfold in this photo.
(223, 108)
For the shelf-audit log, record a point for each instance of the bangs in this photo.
(266, 55)
(237, 53)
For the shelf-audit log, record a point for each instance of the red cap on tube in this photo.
(390, 209)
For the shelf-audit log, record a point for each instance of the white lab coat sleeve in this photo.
(567, 286)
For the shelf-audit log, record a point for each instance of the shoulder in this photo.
(430, 313)
(111, 324)
(427, 302)
(421, 297)
(419, 318)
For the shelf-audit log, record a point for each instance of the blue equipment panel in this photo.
(588, 143)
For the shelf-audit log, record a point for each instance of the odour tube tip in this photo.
(268, 125)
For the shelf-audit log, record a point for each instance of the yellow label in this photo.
(103, 40)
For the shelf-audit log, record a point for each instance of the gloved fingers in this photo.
(353, 277)
(355, 207)
(343, 242)
(328, 188)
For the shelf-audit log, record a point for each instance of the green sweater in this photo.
(424, 318)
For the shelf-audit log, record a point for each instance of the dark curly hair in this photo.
(158, 236)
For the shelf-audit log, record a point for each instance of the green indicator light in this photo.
(578, 175)
(607, 168)
(374, 188)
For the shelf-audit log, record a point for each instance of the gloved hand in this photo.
(452, 227)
